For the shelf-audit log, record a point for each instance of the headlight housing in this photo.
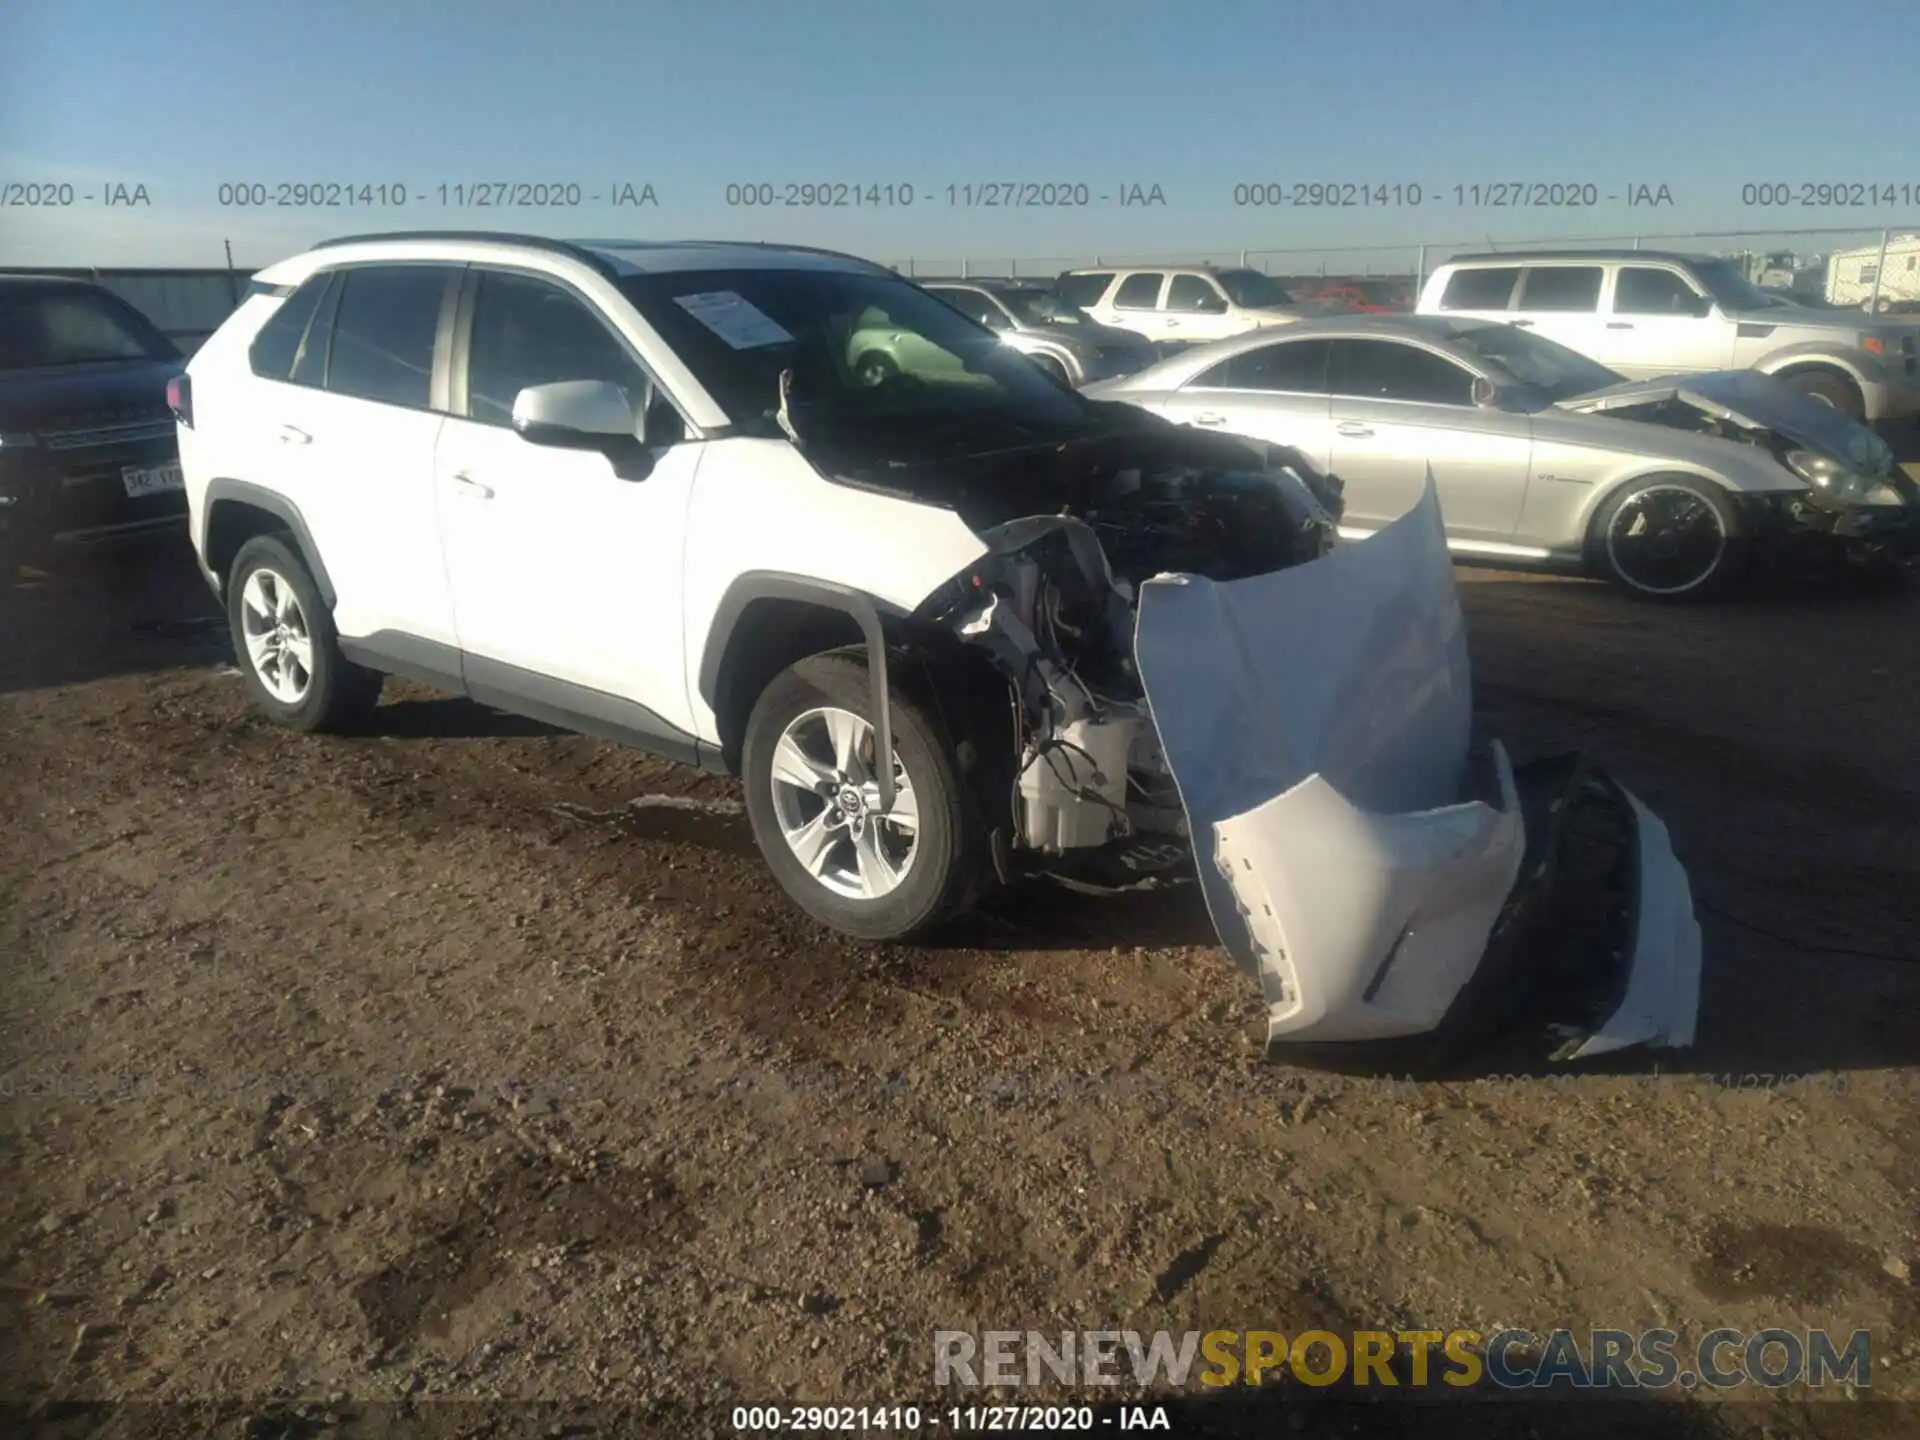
(1831, 478)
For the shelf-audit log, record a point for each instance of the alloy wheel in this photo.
(279, 645)
(1666, 540)
(826, 800)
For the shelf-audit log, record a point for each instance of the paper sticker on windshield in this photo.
(735, 320)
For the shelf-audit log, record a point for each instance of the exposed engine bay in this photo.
(1053, 604)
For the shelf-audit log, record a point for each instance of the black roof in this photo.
(1616, 253)
(602, 255)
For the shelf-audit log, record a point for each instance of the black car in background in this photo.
(87, 442)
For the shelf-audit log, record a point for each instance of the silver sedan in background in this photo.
(1543, 458)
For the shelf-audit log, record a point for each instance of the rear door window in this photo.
(1139, 292)
(1561, 289)
(1651, 290)
(1388, 370)
(384, 332)
(1190, 292)
(1295, 367)
(1480, 289)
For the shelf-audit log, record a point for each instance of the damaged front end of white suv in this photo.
(1299, 729)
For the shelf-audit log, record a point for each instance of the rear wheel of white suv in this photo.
(285, 644)
(809, 767)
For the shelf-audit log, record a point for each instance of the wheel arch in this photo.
(1786, 364)
(766, 621)
(1603, 495)
(236, 511)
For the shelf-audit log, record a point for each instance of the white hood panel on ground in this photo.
(1317, 721)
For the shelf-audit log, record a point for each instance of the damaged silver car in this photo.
(1669, 488)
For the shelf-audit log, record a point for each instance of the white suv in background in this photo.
(947, 620)
(1177, 307)
(1649, 313)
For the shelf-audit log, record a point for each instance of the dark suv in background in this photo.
(87, 440)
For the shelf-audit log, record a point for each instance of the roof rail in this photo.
(572, 249)
(736, 244)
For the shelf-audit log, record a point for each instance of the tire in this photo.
(1830, 389)
(1702, 554)
(875, 368)
(944, 869)
(272, 606)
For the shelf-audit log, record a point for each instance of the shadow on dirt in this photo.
(449, 718)
(138, 609)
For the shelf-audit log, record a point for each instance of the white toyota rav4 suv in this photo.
(948, 625)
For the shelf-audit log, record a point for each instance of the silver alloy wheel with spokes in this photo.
(1666, 540)
(279, 645)
(826, 799)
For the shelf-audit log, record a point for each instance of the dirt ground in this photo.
(358, 1077)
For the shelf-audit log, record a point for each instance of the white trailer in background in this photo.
(1893, 266)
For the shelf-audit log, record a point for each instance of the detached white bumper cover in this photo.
(1318, 724)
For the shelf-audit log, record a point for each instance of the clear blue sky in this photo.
(1193, 96)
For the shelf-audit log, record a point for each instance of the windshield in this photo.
(1251, 289)
(868, 352)
(43, 325)
(1732, 290)
(1547, 366)
(1043, 307)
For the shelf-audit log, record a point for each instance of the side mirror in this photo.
(1212, 305)
(584, 415)
(1486, 394)
(1699, 307)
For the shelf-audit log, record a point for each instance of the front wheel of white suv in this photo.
(285, 645)
(810, 770)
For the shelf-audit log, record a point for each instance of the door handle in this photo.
(465, 484)
(294, 435)
(1618, 325)
(1353, 429)
(1210, 417)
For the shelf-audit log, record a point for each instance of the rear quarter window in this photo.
(1083, 290)
(273, 350)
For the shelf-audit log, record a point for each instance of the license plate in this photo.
(151, 479)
